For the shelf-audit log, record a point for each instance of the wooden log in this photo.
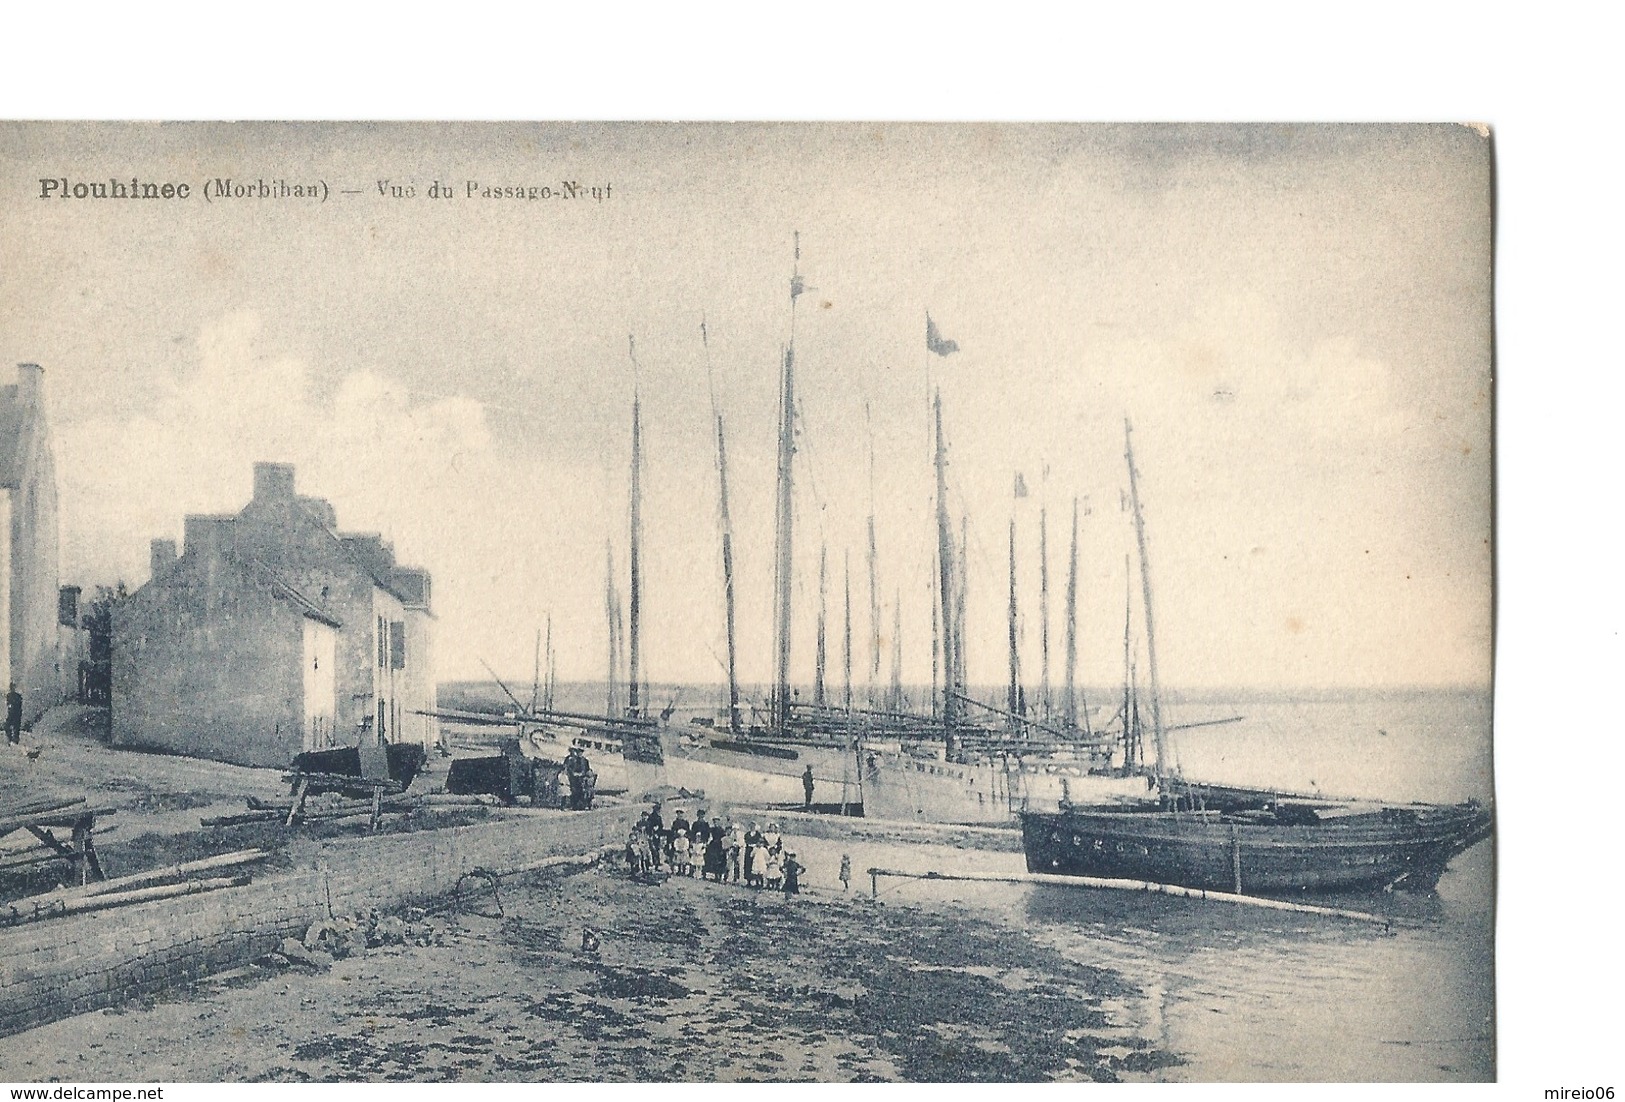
(282, 806)
(563, 862)
(364, 816)
(1103, 883)
(145, 895)
(447, 799)
(324, 782)
(30, 859)
(266, 816)
(185, 871)
(301, 789)
(64, 816)
(25, 910)
(49, 803)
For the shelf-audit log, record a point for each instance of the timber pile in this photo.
(188, 878)
(333, 808)
(37, 818)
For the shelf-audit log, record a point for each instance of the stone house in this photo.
(271, 634)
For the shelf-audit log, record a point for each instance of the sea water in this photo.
(1245, 994)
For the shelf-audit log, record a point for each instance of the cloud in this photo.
(378, 453)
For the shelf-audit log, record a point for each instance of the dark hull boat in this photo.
(1289, 849)
(1245, 841)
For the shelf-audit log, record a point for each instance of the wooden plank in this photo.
(301, 789)
(48, 839)
(64, 816)
(184, 871)
(84, 847)
(30, 860)
(49, 803)
(324, 781)
(24, 911)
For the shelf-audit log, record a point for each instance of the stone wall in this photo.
(208, 662)
(64, 966)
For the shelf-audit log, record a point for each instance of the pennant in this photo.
(934, 341)
(1021, 485)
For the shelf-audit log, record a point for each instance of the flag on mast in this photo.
(934, 340)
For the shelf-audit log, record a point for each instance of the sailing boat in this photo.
(1229, 839)
(975, 772)
(760, 763)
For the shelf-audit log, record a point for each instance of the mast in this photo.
(1157, 729)
(1015, 657)
(1128, 667)
(846, 648)
(947, 578)
(936, 658)
(1043, 613)
(536, 675)
(612, 616)
(874, 579)
(634, 673)
(1070, 703)
(785, 515)
(961, 680)
(823, 589)
(896, 704)
(552, 667)
(735, 724)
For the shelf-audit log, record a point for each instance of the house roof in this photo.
(307, 607)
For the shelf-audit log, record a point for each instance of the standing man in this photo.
(792, 875)
(807, 785)
(14, 715)
(576, 768)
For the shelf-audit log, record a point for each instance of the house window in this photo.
(383, 645)
(397, 644)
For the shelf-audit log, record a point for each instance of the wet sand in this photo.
(689, 981)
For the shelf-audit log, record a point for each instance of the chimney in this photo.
(207, 535)
(30, 385)
(273, 482)
(163, 556)
(412, 584)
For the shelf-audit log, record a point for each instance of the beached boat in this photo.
(1246, 841)
(1284, 846)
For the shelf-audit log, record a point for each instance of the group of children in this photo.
(724, 852)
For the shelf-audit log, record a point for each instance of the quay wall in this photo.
(64, 966)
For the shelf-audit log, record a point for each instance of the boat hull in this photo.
(735, 772)
(1403, 846)
(900, 786)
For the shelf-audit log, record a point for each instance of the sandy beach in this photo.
(689, 981)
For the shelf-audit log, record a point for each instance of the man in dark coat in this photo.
(807, 784)
(14, 715)
(576, 768)
(656, 828)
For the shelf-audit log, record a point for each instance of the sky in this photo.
(1295, 319)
